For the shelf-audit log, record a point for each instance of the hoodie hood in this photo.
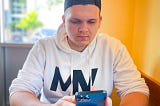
(62, 43)
(78, 60)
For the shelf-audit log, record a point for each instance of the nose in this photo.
(83, 27)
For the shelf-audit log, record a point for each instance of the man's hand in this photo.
(66, 101)
(70, 101)
(29, 99)
(108, 101)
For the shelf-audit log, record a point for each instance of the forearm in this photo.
(135, 99)
(24, 98)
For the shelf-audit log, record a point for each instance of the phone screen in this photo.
(91, 98)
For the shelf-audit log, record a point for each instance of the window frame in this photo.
(5, 34)
(2, 21)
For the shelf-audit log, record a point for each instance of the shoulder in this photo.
(110, 44)
(45, 42)
(43, 45)
(108, 40)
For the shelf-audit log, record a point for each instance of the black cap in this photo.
(69, 3)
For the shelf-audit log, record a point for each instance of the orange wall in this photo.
(137, 24)
(118, 20)
(146, 42)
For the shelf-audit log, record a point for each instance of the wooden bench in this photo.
(154, 87)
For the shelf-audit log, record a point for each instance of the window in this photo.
(25, 21)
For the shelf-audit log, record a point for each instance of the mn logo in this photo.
(78, 79)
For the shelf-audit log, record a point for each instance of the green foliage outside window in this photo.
(22, 1)
(30, 22)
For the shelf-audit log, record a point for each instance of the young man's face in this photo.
(81, 23)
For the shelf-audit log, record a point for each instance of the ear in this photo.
(100, 20)
(63, 19)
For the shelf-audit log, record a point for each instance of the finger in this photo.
(69, 99)
(93, 88)
(64, 102)
(108, 101)
(68, 103)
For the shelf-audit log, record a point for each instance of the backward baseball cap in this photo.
(69, 3)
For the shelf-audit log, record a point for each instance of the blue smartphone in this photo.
(91, 98)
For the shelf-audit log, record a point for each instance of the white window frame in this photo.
(1, 21)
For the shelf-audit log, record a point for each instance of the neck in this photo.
(75, 47)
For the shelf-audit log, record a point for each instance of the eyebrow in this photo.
(92, 19)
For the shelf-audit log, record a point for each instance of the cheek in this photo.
(71, 28)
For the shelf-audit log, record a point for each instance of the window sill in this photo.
(15, 45)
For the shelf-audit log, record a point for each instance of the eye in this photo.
(75, 21)
(91, 21)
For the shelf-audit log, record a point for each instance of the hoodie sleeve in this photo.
(127, 78)
(30, 77)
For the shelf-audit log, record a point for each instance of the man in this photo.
(76, 59)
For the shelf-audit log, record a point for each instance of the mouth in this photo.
(83, 37)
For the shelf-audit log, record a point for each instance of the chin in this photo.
(83, 45)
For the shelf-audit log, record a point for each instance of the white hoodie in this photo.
(53, 69)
